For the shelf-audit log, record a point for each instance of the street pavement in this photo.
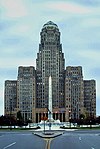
(77, 140)
(69, 139)
(21, 140)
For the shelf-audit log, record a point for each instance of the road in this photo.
(89, 139)
(77, 140)
(20, 140)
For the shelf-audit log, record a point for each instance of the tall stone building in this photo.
(10, 96)
(70, 93)
(74, 92)
(26, 92)
(50, 62)
(90, 97)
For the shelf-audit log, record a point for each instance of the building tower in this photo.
(50, 62)
(69, 94)
(74, 92)
(90, 97)
(10, 96)
(26, 92)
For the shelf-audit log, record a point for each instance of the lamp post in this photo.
(70, 118)
(50, 118)
(44, 118)
(50, 122)
(10, 113)
(29, 121)
(91, 113)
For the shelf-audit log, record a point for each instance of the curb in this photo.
(42, 135)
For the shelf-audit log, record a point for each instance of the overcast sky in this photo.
(21, 22)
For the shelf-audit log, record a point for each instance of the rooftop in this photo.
(50, 24)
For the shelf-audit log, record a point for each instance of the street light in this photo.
(91, 113)
(10, 113)
(44, 118)
(70, 118)
(49, 118)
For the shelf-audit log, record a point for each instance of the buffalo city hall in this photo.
(29, 93)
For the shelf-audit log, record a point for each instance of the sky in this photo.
(21, 22)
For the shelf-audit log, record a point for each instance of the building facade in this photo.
(90, 97)
(74, 92)
(26, 92)
(50, 62)
(10, 96)
(70, 93)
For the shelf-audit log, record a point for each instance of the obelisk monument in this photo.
(50, 100)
